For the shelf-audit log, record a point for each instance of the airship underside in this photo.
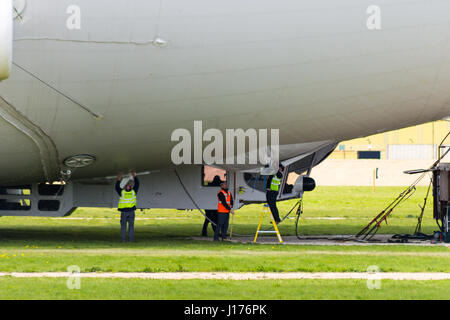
(97, 87)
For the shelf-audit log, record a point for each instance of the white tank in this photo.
(6, 36)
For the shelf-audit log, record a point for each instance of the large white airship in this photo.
(93, 87)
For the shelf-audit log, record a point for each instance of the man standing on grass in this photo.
(224, 208)
(211, 215)
(127, 204)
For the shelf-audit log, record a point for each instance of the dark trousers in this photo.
(127, 218)
(211, 215)
(222, 225)
(271, 197)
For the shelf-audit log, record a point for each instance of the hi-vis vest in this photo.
(127, 199)
(275, 183)
(220, 207)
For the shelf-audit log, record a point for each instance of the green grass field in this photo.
(90, 239)
(132, 289)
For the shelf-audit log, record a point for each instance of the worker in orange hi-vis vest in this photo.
(224, 208)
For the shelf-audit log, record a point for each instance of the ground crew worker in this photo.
(224, 208)
(211, 215)
(127, 205)
(273, 187)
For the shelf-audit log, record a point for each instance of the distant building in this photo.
(413, 143)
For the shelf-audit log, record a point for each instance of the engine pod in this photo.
(6, 38)
(304, 183)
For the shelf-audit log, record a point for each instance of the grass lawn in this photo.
(90, 239)
(132, 289)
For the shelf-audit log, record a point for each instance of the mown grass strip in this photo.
(106, 289)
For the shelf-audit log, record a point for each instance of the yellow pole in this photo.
(374, 177)
(231, 230)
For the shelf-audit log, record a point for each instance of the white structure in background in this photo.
(411, 152)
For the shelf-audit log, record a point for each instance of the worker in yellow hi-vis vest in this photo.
(272, 189)
(127, 204)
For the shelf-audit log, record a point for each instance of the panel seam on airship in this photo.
(82, 106)
(47, 148)
(156, 42)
